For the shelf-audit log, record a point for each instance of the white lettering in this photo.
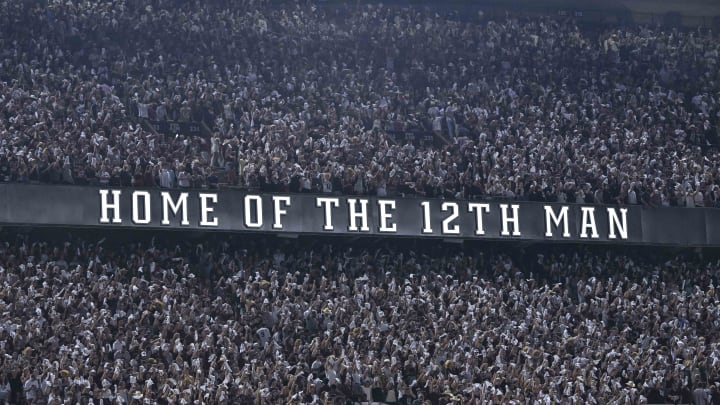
(588, 221)
(617, 224)
(384, 206)
(478, 209)
(327, 204)
(354, 215)
(426, 217)
(507, 220)
(105, 207)
(175, 207)
(552, 219)
(278, 211)
(257, 223)
(205, 210)
(446, 229)
(136, 207)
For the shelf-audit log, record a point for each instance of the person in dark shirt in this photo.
(212, 181)
(16, 387)
(715, 394)
(52, 174)
(126, 176)
(115, 179)
(138, 180)
(4, 169)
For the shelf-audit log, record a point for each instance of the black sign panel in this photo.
(176, 127)
(230, 210)
(416, 138)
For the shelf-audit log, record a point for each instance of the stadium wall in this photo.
(241, 211)
(690, 13)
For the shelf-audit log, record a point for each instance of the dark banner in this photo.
(229, 210)
(416, 138)
(176, 127)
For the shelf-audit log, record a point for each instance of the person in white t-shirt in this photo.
(30, 388)
(699, 198)
(183, 179)
(167, 176)
(4, 389)
(143, 110)
(632, 195)
(161, 112)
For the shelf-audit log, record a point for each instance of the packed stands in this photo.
(328, 99)
(250, 320)
(361, 99)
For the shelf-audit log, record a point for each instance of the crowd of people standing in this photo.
(299, 97)
(250, 320)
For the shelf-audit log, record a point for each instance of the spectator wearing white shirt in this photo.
(699, 198)
(167, 176)
(632, 195)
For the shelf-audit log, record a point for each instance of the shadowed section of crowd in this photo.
(326, 322)
(306, 98)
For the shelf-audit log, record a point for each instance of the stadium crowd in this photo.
(305, 98)
(250, 320)
(302, 98)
